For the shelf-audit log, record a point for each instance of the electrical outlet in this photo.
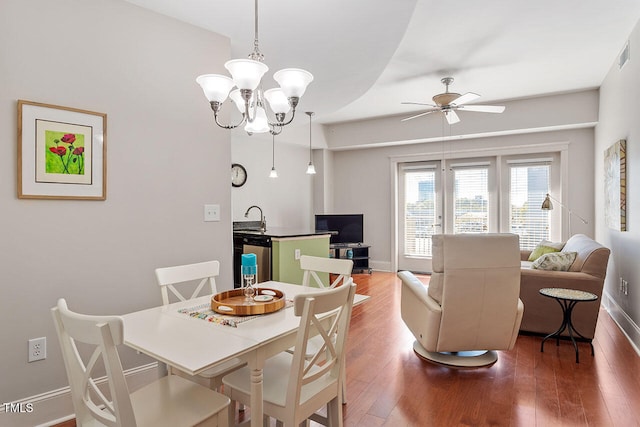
(37, 349)
(296, 254)
(624, 287)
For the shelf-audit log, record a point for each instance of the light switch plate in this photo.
(211, 213)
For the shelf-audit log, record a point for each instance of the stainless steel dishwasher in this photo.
(254, 244)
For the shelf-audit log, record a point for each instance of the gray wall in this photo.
(166, 159)
(286, 200)
(619, 110)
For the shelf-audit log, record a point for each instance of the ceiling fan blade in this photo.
(417, 103)
(467, 97)
(452, 117)
(424, 113)
(483, 108)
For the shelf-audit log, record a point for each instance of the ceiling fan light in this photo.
(445, 99)
(293, 81)
(448, 102)
(216, 87)
(277, 100)
(246, 73)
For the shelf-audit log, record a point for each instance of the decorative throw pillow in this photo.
(555, 261)
(557, 245)
(541, 250)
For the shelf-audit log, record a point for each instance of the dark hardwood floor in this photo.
(388, 385)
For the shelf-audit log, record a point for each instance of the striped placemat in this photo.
(204, 312)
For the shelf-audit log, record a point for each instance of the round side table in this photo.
(567, 298)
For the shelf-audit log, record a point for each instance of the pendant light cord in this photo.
(311, 170)
(310, 156)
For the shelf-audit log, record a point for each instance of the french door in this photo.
(420, 213)
(501, 193)
(442, 197)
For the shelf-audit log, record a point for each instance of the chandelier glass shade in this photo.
(249, 97)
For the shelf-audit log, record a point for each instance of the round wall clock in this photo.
(238, 175)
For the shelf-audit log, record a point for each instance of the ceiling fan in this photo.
(449, 102)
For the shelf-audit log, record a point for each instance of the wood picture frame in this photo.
(62, 152)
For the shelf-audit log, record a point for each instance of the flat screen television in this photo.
(344, 228)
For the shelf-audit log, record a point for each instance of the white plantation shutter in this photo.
(529, 184)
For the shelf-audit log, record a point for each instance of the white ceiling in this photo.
(368, 56)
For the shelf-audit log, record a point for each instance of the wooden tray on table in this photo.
(234, 302)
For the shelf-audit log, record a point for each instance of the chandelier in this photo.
(249, 97)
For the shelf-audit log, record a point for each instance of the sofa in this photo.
(543, 315)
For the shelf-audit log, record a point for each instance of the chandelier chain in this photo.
(256, 55)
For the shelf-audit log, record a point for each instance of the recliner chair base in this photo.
(460, 359)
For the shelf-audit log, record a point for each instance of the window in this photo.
(481, 194)
(529, 184)
(471, 199)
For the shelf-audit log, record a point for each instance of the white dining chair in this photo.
(183, 277)
(170, 401)
(312, 265)
(295, 387)
(341, 270)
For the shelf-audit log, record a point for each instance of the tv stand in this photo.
(359, 255)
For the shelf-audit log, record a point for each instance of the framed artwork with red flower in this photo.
(61, 152)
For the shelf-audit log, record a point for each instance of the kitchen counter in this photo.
(278, 249)
(280, 232)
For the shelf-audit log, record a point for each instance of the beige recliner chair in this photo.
(471, 306)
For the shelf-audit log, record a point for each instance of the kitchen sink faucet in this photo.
(263, 220)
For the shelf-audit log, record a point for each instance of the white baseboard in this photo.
(54, 407)
(380, 265)
(626, 323)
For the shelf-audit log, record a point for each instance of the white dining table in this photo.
(194, 345)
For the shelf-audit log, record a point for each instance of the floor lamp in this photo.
(547, 206)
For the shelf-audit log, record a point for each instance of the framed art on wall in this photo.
(61, 152)
(615, 186)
